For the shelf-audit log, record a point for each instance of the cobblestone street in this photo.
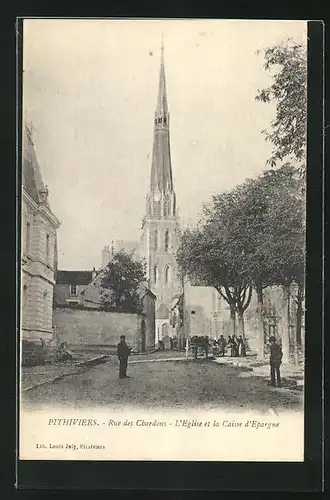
(165, 383)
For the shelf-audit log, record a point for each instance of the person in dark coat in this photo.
(215, 349)
(229, 345)
(222, 345)
(241, 347)
(206, 346)
(236, 344)
(123, 351)
(275, 361)
(232, 345)
(194, 345)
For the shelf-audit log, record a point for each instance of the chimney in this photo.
(105, 256)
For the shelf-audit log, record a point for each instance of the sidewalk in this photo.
(34, 376)
(292, 377)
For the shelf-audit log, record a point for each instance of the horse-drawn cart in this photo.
(199, 345)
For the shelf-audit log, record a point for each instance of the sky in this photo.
(90, 91)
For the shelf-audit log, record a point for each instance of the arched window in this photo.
(156, 239)
(167, 275)
(167, 240)
(167, 206)
(156, 274)
(156, 208)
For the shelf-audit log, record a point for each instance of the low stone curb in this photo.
(93, 361)
(155, 360)
(81, 364)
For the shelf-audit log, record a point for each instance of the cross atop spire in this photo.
(162, 97)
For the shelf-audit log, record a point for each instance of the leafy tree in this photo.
(121, 279)
(276, 198)
(287, 63)
(251, 237)
(213, 253)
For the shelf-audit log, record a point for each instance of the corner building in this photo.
(160, 229)
(39, 249)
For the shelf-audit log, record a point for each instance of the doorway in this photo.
(164, 330)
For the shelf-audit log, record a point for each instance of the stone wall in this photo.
(94, 327)
(149, 318)
(33, 353)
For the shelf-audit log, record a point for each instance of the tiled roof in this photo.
(162, 312)
(32, 180)
(143, 290)
(74, 277)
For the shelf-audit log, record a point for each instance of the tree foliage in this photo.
(252, 236)
(275, 217)
(284, 243)
(287, 63)
(213, 252)
(122, 278)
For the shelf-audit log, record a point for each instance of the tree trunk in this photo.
(298, 324)
(260, 323)
(241, 324)
(295, 343)
(294, 313)
(300, 296)
(285, 324)
(232, 320)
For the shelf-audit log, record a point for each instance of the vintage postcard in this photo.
(163, 240)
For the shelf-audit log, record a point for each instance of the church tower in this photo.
(160, 229)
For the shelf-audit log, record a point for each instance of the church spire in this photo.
(161, 169)
(162, 97)
(160, 229)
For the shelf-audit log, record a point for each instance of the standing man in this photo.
(222, 345)
(123, 351)
(235, 342)
(241, 346)
(206, 346)
(275, 361)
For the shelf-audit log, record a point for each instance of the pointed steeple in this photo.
(161, 169)
(162, 97)
(32, 179)
(160, 228)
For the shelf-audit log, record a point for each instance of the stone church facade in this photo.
(160, 227)
(38, 249)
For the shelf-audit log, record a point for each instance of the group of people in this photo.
(235, 346)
